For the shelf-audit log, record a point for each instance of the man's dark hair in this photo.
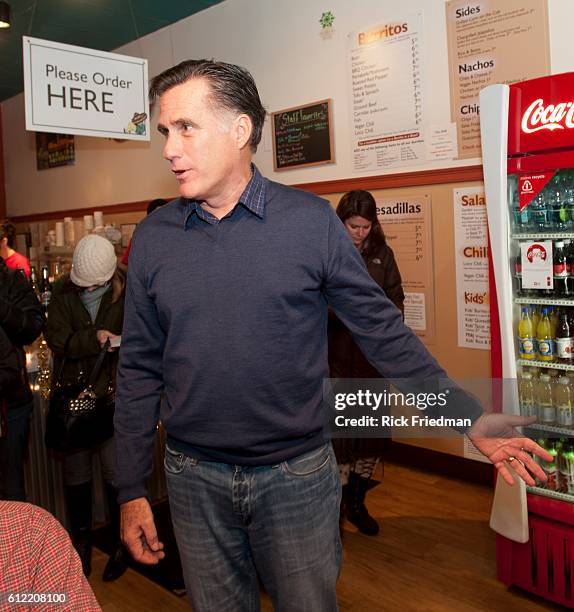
(232, 88)
(7, 230)
(155, 204)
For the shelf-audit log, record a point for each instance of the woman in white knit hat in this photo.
(86, 310)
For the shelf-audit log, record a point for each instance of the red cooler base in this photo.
(545, 564)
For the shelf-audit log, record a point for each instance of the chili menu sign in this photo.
(74, 90)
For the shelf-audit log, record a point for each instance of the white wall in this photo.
(281, 44)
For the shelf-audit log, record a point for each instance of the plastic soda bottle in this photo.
(564, 340)
(551, 468)
(568, 468)
(546, 349)
(561, 268)
(564, 402)
(538, 213)
(553, 315)
(546, 408)
(535, 316)
(526, 335)
(527, 395)
(541, 442)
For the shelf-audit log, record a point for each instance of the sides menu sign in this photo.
(74, 90)
(491, 41)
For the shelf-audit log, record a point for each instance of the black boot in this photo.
(357, 512)
(79, 503)
(118, 562)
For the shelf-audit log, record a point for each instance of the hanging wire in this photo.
(32, 18)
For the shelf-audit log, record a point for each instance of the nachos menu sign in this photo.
(74, 90)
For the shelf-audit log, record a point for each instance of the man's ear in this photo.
(242, 130)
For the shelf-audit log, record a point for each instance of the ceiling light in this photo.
(4, 14)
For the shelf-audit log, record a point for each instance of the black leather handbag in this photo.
(76, 418)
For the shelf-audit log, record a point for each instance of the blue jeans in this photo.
(13, 452)
(279, 522)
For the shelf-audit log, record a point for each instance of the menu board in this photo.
(406, 223)
(471, 252)
(491, 41)
(302, 136)
(386, 73)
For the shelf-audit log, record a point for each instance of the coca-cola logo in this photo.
(552, 117)
(536, 252)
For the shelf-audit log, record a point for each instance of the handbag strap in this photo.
(98, 365)
(95, 370)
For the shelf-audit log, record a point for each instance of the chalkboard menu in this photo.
(303, 136)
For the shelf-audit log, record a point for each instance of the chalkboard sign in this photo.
(303, 136)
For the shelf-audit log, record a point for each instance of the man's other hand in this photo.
(495, 436)
(139, 533)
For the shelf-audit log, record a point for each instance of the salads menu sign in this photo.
(74, 90)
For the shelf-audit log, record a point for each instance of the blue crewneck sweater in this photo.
(229, 318)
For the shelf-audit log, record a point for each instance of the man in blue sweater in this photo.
(229, 319)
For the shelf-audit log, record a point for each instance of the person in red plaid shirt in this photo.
(38, 562)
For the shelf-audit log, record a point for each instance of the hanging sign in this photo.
(75, 90)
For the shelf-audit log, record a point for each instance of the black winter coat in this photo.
(21, 322)
(346, 359)
(68, 319)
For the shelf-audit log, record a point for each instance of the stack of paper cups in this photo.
(98, 218)
(34, 256)
(69, 234)
(35, 234)
(79, 229)
(59, 234)
(88, 223)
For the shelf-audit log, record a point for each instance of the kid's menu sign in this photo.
(303, 136)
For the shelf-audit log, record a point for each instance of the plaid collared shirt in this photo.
(253, 198)
(37, 557)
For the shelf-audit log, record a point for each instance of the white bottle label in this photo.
(565, 415)
(565, 348)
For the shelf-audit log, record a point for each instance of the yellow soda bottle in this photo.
(535, 316)
(553, 315)
(545, 337)
(526, 335)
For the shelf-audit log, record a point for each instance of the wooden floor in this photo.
(435, 553)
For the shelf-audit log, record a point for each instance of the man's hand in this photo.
(495, 436)
(139, 533)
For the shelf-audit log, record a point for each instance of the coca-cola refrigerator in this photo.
(527, 132)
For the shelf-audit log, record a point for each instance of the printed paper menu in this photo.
(491, 41)
(407, 226)
(386, 76)
(471, 248)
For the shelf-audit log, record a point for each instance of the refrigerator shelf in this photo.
(567, 497)
(555, 429)
(543, 236)
(545, 364)
(545, 301)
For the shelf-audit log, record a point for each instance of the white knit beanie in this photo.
(94, 261)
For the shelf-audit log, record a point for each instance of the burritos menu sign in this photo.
(74, 90)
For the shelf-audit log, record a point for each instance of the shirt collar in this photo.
(253, 198)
